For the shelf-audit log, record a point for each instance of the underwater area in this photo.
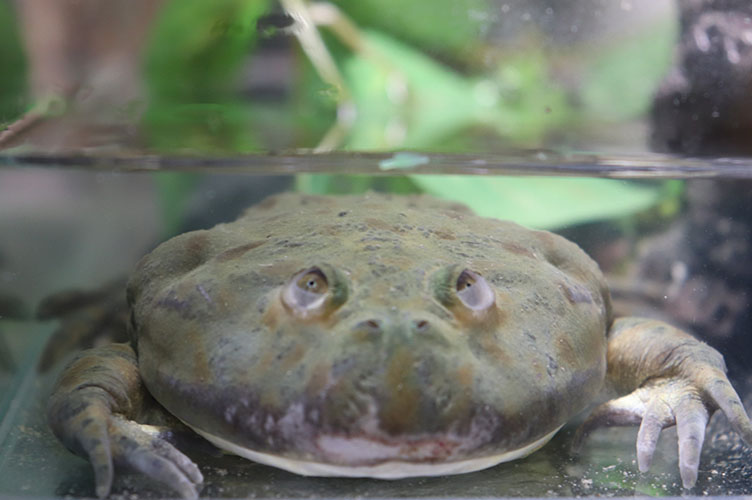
(622, 126)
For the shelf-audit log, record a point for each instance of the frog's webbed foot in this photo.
(87, 318)
(90, 410)
(685, 382)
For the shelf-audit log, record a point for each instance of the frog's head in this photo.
(370, 348)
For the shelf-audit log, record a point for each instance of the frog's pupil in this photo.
(464, 281)
(311, 283)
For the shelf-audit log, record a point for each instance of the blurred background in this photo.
(125, 122)
(240, 76)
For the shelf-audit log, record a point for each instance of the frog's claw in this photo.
(90, 411)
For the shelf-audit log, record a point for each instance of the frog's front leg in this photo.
(93, 409)
(668, 378)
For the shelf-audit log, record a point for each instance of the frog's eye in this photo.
(307, 291)
(474, 291)
(312, 283)
(316, 291)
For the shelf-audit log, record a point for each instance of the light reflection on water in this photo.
(511, 162)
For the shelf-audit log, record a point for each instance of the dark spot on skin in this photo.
(552, 366)
(184, 307)
(197, 244)
(576, 294)
(517, 249)
(342, 214)
(238, 251)
(67, 411)
(380, 224)
(87, 422)
(444, 235)
(267, 203)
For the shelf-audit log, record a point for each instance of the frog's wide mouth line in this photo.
(388, 469)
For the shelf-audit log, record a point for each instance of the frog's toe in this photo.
(691, 420)
(80, 421)
(98, 450)
(656, 417)
(724, 395)
(140, 448)
(94, 439)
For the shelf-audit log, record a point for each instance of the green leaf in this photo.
(12, 67)
(542, 202)
(537, 202)
(404, 99)
(197, 46)
(448, 27)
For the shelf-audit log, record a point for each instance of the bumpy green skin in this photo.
(218, 349)
(392, 364)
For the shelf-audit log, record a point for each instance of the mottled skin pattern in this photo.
(384, 350)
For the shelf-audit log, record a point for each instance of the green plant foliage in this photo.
(405, 99)
(451, 28)
(13, 99)
(197, 47)
(538, 202)
(542, 202)
(195, 53)
(203, 128)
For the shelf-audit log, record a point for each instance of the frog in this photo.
(381, 336)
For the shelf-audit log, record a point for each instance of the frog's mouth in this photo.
(386, 460)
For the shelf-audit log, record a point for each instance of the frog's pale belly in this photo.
(358, 449)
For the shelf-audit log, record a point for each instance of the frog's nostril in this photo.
(421, 325)
(371, 325)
